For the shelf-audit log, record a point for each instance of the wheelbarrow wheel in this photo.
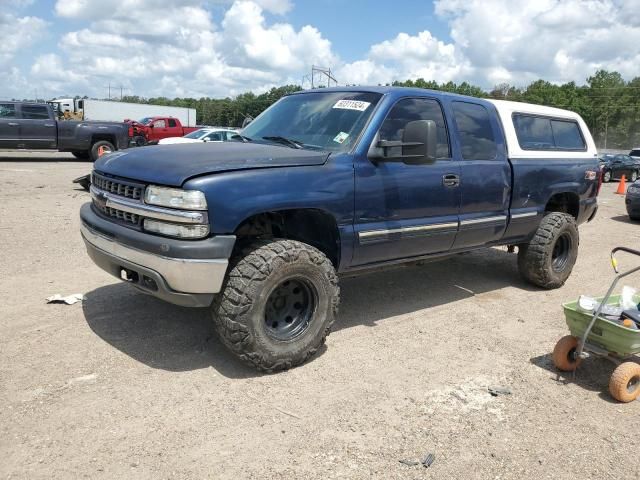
(563, 354)
(624, 384)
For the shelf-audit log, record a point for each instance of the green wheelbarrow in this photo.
(593, 335)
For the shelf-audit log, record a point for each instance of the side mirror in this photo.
(205, 140)
(420, 139)
(151, 125)
(418, 145)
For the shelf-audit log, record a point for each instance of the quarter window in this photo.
(543, 133)
(35, 112)
(7, 110)
(410, 109)
(474, 128)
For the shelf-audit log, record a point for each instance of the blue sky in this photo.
(224, 47)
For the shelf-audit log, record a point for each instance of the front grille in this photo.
(117, 187)
(126, 217)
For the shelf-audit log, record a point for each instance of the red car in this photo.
(150, 130)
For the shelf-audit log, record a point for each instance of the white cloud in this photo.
(557, 40)
(18, 33)
(189, 48)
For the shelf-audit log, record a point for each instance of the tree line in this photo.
(609, 105)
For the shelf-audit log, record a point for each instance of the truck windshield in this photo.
(318, 120)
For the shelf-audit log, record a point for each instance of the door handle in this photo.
(49, 125)
(13, 124)
(451, 180)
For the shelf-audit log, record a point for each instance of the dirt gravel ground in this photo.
(126, 386)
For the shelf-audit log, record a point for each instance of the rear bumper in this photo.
(189, 277)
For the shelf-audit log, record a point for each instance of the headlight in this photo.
(176, 230)
(175, 198)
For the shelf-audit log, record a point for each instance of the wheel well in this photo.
(566, 202)
(108, 138)
(314, 227)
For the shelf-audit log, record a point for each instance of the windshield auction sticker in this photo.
(341, 137)
(352, 105)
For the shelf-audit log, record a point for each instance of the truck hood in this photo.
(172, 165)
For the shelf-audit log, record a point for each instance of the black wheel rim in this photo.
(290, 308)
(633, 384)
(561, 252)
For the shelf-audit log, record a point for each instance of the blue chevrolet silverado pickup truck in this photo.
(332, 181)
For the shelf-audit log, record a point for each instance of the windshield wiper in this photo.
(242, 137)
(286, 141)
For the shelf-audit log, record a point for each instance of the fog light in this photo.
(175, 230)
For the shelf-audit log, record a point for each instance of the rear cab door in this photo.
(37, 126)
(9, 125)
(174, 128)
(485, 178)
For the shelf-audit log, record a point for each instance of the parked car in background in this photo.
(202, 135)
(33, 126)
(150, 130)
(614, 166)
(632, 201)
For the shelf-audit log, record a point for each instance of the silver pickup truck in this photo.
(34, 126)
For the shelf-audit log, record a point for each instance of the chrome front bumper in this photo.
(188, 282)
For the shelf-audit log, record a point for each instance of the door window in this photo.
(408, 110)
(7, 110)
(474, 128)
(35, 112)
(160, 124)
(172, 123)
(214, 137)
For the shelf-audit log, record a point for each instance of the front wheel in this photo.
(277, 305)
(548, 259)
(634, 176)
(607, 176)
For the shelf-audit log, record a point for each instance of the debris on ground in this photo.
(409, 463)
(69, 299)
(84, 181)
(428, 460)
(495, 391)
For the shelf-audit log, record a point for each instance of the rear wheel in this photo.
(624, 384)
(277, 304)
(634, 176)
(81, 154)
(606, 177)
(100, 148)
(548, 259)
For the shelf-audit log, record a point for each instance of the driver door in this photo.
(402, 210)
